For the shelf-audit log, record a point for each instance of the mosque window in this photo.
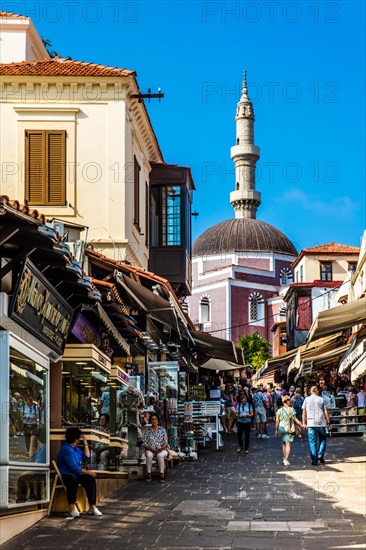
(256, 309)
(286, 276)
(205, 310)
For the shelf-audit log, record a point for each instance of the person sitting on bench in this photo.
(156, 444)
(69, 461)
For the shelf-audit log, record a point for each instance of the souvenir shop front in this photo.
(90, 386)
(34, 325)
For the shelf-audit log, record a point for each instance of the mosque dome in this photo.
(242, 235)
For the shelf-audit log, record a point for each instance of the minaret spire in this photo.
(245, 199)
(244, 89)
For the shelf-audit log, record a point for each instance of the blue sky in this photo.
(306, 76)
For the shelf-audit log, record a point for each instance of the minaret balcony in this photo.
(245, 195)
(240, 151)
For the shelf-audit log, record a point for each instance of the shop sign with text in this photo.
(40, 309)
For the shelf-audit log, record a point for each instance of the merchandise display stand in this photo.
(351, 420)
(199, 422)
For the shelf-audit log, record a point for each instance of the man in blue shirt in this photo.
(69, 461)
(244, 413)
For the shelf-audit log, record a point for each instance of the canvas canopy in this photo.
(338, 318)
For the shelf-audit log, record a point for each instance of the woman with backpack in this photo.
(285, 427)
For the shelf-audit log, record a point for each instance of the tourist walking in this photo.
(244, 414)
(315, 418)
(228, 418)
(260, 418)
(285, 427)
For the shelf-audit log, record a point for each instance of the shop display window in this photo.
(24, 388)
(183, 388)
(27, 486)
(163, 379)
(85, 393)
(27, 409)
(24, 449)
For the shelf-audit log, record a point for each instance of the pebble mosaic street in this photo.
(228, 501)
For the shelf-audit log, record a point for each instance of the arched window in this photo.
(205, 310)
(286, 276)
(256, 309)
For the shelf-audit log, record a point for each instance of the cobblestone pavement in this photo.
(228, 501)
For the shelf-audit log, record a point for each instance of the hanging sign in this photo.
(40, 309)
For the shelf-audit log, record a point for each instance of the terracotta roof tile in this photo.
(9, 15)
(333, 248)
(139, 272)
(23, 208)
(59, 66)
(328, 248)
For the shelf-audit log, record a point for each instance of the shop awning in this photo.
(220, 364)
(311, 360)
(112, 329)
(294, 356)
(338, 318)
(359, 369)
(154, 306)
(274, 363)
(215, 347)
(318, 356)
(355, 351)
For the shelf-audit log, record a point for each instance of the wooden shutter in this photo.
(35, 187)
(56, 141)
(45, 169)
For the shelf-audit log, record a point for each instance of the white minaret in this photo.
(245, 199)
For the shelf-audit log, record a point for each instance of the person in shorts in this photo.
(260, 416)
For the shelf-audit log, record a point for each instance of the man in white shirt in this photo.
(315, 418)
(361, 398)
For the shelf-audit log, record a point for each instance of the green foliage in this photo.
(47, 44)
(255, 349)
